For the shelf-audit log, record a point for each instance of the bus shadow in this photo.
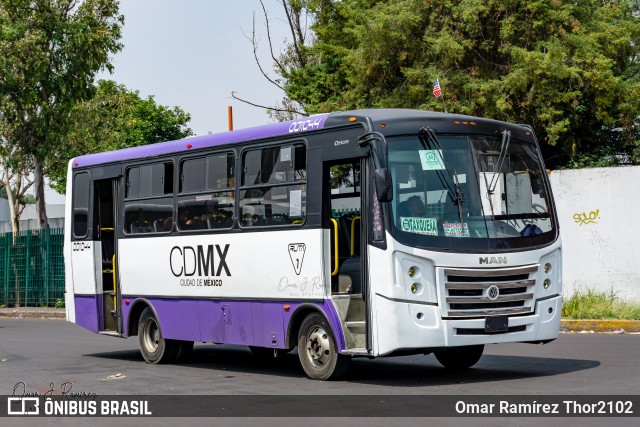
(413, 372)
(402, 371)
(225, 358)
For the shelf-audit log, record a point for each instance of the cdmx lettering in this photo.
(186, 260)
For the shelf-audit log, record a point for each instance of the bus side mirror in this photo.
(384, 189)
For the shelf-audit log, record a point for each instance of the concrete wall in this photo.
(599, 228)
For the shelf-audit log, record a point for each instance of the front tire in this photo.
(458, 358)
(154, 348)
(318, 352)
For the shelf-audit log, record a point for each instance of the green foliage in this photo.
(50, 52)
(116, 118)
(569, 68)
(25, 199)
(59, 303)
(593, 304)
(599, 158)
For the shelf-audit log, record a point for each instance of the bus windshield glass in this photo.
(469, 193)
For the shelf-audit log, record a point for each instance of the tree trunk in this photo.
(13, 211)
(38, 182)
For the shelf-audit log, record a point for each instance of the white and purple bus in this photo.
(362, 233)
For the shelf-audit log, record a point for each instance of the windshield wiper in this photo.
(497, 168)
(457, 197)
(504, 148)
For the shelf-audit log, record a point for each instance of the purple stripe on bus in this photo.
(151, 150)
(262, 324)
(87, 314)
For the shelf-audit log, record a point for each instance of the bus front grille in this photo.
(478, 293)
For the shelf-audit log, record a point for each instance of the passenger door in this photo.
(105, 201)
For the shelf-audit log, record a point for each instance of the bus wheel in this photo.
(456, 358)
(153, 347)
(318, 351)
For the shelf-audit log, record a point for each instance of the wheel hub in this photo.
(151, 336)
(318, 346)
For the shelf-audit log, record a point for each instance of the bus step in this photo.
(356, 324)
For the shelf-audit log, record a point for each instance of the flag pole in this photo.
(437, 92)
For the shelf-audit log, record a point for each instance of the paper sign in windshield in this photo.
(431, 160)
(456, 230)
(428, 226)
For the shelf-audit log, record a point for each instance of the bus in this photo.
(363, 233)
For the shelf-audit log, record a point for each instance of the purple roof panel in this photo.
(160, 148)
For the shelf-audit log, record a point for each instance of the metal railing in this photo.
(32, 270)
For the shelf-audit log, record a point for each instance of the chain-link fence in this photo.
(32, 270)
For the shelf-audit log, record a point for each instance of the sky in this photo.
(193, 53)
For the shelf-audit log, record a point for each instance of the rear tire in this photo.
(318, 352)
(154, 348)
(458, 358)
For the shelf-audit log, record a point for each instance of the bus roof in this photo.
(389, 121)
(265, 131)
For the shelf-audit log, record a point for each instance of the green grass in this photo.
(591, 304)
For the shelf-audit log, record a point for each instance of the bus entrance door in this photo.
(347, 249)
(106, 192)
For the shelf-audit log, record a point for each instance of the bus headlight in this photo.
(416, 278)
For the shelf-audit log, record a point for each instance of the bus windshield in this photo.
(469, 193)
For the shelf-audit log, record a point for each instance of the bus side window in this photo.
(273, 191)
(206, 199)
(148, 207)
(81, 197)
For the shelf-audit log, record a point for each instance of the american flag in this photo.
(437, 92)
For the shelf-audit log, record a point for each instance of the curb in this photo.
(26, 313)
(609, 325)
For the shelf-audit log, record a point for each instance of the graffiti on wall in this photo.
(584, 218)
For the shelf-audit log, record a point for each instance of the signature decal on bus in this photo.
(296, 253)
(201, 261)
(302, 287)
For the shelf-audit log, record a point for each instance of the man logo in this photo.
(493, 292)
(493, 260)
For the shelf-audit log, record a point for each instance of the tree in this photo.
(569, 68)
(14, 179)
(116, 118)
(50, 52)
